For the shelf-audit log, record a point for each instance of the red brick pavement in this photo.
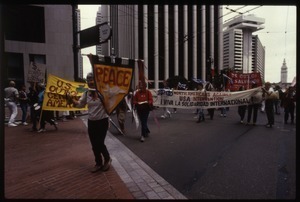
(55, 165)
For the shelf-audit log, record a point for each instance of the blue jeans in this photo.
(143, 116)
(24, 108)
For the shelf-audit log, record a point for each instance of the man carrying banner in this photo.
(97, 123)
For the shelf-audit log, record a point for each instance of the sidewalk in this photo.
(55, 165)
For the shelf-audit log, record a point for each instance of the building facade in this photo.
(37, 33)
(258, 56)
(244, 52)
(171, 39)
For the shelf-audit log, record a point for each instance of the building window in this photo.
(24, 23)
(41, 59)
(14, 68)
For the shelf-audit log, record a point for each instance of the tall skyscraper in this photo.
(240, 48)
(258, 56)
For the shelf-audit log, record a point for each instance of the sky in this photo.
(278, 37)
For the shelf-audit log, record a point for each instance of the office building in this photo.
(171, 39)
(37, 33)
(243, 52)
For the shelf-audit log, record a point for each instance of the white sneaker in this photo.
(17, 122)
(142, 139)
(11, 125)
(163, 116)
(41, 130)
(25, 124)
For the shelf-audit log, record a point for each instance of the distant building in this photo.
(284, 72)
(243, 52)
(258, 56)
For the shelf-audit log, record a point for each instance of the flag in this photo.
(112, 79)
(56, 90)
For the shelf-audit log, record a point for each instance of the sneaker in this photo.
(242, 121)
(11, 125)
(142, 139)
(96, 168)
(163, 116)
(269, 126)
(106, 165)
(41, 130)
(25, 124)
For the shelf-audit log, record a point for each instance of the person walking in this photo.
(255, 103)
(268, 94)
(142, 101)
(211, 111)
(33, 103)
(46, 115)
(201, 110)
(11, 99)
(166, 110)
(288, 103)
(98, 121)
(242, 108)
(23, 100)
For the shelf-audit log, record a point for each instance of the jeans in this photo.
(13, 108)
(143, 116)
(24, 107)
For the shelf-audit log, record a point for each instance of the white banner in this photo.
(187, 99)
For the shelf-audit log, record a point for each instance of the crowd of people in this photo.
(269, 100)
(30, 103)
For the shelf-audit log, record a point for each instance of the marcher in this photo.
(33, 103)
(201, 110)
(166, 110)
(46, 115)
(268, 94)
(278, 100)
(288, 103)
(223, 109)
(242, 108)
(11, 99)
(142, 101)
(97, 124)
(255, 102)
(211, 111)
(23, 100)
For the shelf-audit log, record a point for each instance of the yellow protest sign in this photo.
(56, 90)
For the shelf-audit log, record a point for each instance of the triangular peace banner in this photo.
(112, 79)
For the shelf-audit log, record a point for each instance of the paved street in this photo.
(220, 158)
(182, 159)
